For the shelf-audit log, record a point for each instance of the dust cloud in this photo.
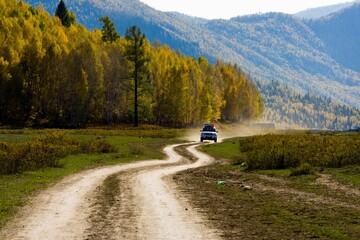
(230, 131)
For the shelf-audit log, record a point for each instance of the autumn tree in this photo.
(242, 98)
(135, 53)
(4, 80)
(70, 77)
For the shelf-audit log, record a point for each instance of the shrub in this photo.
(290, 151)
(303, 169)
(136, 150)
(45, 151)
(98, 145)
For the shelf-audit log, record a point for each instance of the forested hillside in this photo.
(287, 108)
(168, 28)
(272, 46)
(67, 76)
(280, 47)
(341, 34)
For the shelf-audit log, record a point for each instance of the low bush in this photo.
(142, 132)
(98, 145)
(290, 151)
(136, 150)
(46, 151)
(303, 169)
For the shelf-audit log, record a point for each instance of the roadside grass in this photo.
(130, 145)
(347, 175)
(15, 137)
(270, 203)
(228, 149)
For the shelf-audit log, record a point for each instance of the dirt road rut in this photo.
(145, 205)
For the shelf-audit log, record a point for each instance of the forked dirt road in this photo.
(144, 204)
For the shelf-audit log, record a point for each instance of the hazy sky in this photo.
(226, 9)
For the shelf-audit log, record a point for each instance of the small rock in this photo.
(246, 187)
(244, 164)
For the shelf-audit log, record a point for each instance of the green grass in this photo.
(15, 138)
(225, 150)
(347, 175)
(230, 150)
(304, 208)
(275, 173)
(130, 146)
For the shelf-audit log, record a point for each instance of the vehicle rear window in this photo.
(209, 129)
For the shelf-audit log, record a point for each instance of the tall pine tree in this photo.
(65, 16)
(135, 53)
(109, 33)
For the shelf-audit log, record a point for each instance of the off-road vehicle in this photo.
(208, 133)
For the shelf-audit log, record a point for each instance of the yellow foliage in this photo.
(68, 77)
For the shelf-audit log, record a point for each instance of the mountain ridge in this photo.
(318, 12)
(277, 46)
(342, 46)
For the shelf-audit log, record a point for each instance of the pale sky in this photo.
(225, 9)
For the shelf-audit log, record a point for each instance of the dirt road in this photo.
(133, 201)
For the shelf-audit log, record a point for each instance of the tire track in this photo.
(155, 208)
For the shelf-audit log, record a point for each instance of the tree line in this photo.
(288, 108)
(56, 73)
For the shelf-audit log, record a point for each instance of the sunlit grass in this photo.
(225, 150)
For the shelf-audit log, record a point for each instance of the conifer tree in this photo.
(109, 33)
(61, 12)
(135, 53)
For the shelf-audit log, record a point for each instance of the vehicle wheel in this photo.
(201, 140)
(215, 140)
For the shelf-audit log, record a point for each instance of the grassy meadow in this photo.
(281, 186)
(33, 159)
(277, 186)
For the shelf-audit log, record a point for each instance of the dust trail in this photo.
(228, 131)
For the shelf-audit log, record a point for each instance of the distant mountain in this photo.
(304, 55)
(340, 32)
(284, 48)
(319, 12)
(289, 109)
